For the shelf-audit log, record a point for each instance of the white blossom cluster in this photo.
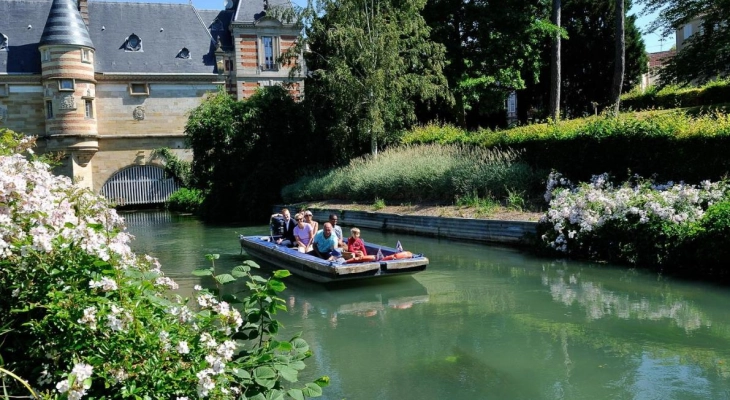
(578, 210)
(76, 384)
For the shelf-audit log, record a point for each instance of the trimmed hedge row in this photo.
(669, 145)
(715, 92)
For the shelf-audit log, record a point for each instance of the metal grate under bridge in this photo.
(140, 184)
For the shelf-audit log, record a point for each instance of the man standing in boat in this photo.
(287, 236)
(324, 244)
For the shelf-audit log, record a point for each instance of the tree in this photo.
(555, 66)
(370, 62)
(620, 56)
(588, 50)
(493, 48)
(706, 54)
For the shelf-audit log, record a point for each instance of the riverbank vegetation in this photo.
(423, 173)
(81, 315)
(673, 96)
(676, 227)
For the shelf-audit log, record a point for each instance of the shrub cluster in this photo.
(81, 315)
(714, 92)
(186, 200)
(670, 225)
(670, 145)
(420, 173)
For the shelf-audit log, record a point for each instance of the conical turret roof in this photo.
(65, 25)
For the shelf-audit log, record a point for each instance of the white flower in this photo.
(182, 347)
(106, 284)
(89, 317)
(197, 288)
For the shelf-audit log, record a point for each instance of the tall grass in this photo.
(432, 172)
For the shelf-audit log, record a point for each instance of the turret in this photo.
(69, 88)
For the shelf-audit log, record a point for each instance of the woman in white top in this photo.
(303, 234)
(308, 219)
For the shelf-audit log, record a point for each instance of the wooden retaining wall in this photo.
(481, 230)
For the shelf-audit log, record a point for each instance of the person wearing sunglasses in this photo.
(303, 234)
(308, 218)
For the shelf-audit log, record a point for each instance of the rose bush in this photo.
(81, 315)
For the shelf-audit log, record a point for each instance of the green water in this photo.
(485, 322)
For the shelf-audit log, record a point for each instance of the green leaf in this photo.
(295, 394)
(259, 396)
(211, 257)
(282, 273)
(241, 373)
(257, 278)
(284, 346)
(265, 376)
(300, 345)
(288, 373)
(323, 381)
(298, 365)
(240, 271)
(203, 272)
(275, 394)
(225, 278)
(276, 286)
(312, 390)
(251, 264)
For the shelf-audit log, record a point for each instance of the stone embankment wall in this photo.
(481, 230)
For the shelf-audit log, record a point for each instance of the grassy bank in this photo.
(425, 173)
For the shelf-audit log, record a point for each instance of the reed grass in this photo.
(418, 173)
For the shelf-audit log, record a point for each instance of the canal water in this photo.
(484, 322)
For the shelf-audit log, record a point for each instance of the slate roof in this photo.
(218, 23)
(65, 25)
(250, 11)
(16, 16)
(164, 29)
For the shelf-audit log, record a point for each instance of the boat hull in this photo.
(323, 271)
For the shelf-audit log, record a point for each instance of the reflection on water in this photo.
(485, 322)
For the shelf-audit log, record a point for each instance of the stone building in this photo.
(107, 82)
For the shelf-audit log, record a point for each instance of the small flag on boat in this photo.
(398, 247)
(379, 256)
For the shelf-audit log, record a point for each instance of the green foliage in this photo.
(174, 166)
(369, 65)
(672, 96)
(420, 173)
(672, 145)
(483, 205)
(706, 54)
(186, 200)
(588, 61)
(379, 204)
(492, 47)
(244, 152)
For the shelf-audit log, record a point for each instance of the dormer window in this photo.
(133, 43)
(86, 55)
(184, 53)
(46, 55)
(3, 42)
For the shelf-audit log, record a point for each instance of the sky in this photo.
(653, 41)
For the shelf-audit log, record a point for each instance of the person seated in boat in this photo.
(309, 218)
(286, 237)
(324, 244)
(355, 245)
(338, 231)
(303, 234)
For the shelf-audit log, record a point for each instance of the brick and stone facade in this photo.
(107, 92)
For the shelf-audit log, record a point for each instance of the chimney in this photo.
(84, 10)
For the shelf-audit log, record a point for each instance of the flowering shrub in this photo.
(81, 315)
(638, 222)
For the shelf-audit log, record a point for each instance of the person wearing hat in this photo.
(308, 218)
